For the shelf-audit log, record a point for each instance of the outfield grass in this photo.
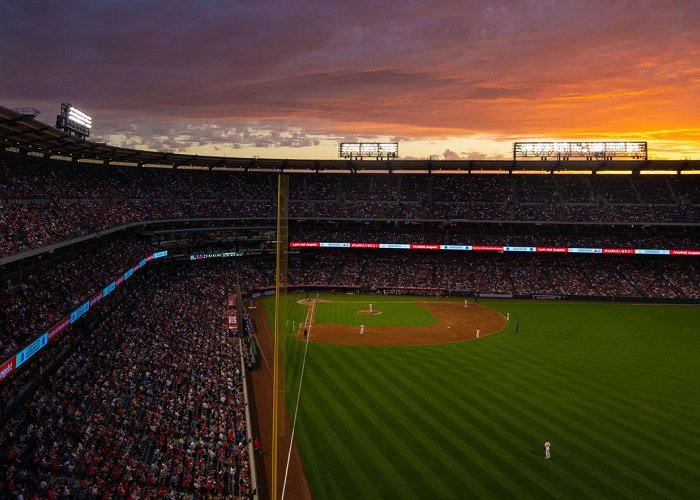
(613, 387)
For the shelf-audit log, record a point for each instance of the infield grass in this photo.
(614, 387)
(396, 313)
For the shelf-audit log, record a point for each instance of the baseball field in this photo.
(614, 387)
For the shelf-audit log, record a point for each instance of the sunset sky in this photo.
(292, 78)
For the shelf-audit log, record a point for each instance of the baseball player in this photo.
(370, 308)
(465, 303)
(294, 325)
(477, 333)
(362, 329)
(546, 450)
(507, 316)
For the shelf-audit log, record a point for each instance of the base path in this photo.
(455, 324)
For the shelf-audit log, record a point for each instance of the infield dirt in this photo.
(455, 324)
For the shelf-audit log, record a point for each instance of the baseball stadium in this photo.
(188, 326)
(397, 250)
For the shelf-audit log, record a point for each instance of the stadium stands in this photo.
(44, 203)
(150, 403)
(117, 420)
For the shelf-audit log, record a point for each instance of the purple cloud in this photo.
(400, 68)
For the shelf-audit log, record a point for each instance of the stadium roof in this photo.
(21, 133)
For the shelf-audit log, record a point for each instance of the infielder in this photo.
(362, 329)
(465, 303)
(477, 333)
(507, 316)
(546, 450)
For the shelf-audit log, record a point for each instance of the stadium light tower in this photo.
(73, 121)
(590, 151)
(376, 150)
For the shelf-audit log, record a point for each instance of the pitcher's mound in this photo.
(367, 312)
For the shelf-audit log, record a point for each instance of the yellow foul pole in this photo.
(279, 333)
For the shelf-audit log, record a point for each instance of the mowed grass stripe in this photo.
(565, 428)
(578, 409)
(442, 421)
(448, 367)
(326, 474)
(577, 419)
(372, 434)
(441, 402)
(634, 387)
(397, 433)
(426, 430)
(426, 437)
(349, 447)
(498, 425)
(616, 406)
(595, 391)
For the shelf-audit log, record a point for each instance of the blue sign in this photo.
(395, 246)
(79, 312)
(31, 349)
(128, 274)
(519, 249)
(158, 255)
(584, 250)
(652, 252)
(109, 288)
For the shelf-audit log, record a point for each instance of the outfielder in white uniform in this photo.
(477, 333)
(546, 450)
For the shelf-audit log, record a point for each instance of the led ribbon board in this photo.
(494, 248)
(41, 341)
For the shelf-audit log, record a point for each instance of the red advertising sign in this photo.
(364, 245)
(619, 251)
(304, 244)
(486, 248)
(685, 252)
(424, 246)
(95, 299)
(58, 327)
(7, 368)
(552, 249)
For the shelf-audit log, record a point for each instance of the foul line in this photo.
(296, 410)
(310, 316)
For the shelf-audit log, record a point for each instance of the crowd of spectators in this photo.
(42, 203)
(44, 297)
(589, 275)
(150, 404)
